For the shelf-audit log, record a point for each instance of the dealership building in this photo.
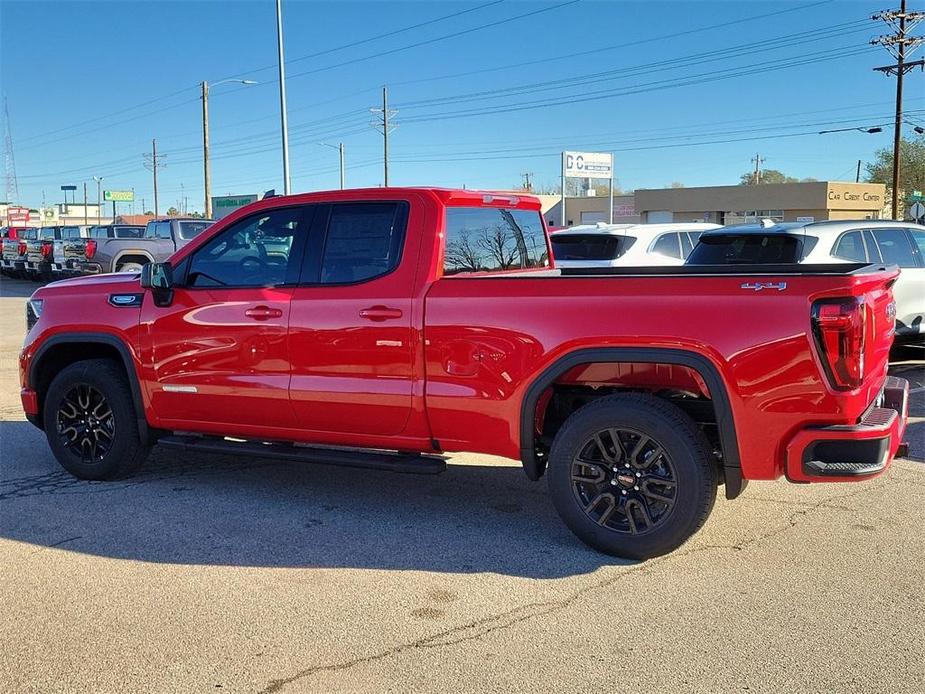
(782, 202)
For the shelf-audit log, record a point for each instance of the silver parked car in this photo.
(857, 241)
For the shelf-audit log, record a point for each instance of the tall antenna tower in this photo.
(9, 163)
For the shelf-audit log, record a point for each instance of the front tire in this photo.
(90, 421)
(632, 476)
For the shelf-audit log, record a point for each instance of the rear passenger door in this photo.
(351, 336)
(896, 246)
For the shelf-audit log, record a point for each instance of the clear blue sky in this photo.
(503, 99)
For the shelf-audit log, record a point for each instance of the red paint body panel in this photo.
(412, 357)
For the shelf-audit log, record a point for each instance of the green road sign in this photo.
(119, 195)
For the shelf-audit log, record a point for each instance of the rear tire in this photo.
(91, 423)
(632, 476)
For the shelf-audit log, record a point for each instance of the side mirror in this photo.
(158, 277)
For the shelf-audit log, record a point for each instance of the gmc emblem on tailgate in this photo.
(758, 286)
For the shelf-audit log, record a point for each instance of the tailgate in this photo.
(74, 249)
(34, 251)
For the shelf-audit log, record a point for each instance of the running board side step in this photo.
(344, 457)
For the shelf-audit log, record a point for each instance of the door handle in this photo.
(380, 313)
(263, 313)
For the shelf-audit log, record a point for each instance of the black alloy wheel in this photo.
(85, 423)
(624, 480)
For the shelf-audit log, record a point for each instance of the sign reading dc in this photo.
(587, 164)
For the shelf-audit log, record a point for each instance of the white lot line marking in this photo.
(916, 390)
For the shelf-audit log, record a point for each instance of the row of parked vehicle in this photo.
(54, 252)
(763, 243)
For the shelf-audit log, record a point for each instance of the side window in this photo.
(149, 230)
(363, 241)
(895, 247)
(255, 252)
(687, 245)
(919, 237)
(162, 231)
(668, 244)
(850, 246)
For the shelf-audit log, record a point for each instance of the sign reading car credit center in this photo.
(587, 164)
(225, 205)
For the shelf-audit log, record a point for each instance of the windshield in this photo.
(190, 230)
(589, 246)
(28, 234)
(70, 232)
(47, 232)
(746, 249)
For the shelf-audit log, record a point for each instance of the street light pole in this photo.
(340, 150)
(282, 96)
(207, 174)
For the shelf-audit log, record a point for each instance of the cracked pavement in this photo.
(221, 574)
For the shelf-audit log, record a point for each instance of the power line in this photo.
(370, 39)
(657, 85)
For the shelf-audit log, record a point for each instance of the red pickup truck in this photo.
(383, 327)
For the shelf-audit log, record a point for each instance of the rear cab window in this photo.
(589, 246)
(492, 239)
(127, 232)
(189, 230)
(747, 249)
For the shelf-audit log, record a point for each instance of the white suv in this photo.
(858, 241)
(623, 245)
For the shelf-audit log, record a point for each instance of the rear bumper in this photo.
(846, 453)
(89, 268)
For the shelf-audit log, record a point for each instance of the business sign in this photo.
(17, 215)
(225, 205)
(587, 164)
(806, 219)
(68, 187)
(119, 195)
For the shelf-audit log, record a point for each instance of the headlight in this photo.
(33, 311)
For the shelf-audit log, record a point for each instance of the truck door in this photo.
(351, 333)
(219, 353)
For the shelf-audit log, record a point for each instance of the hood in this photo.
(116, 281)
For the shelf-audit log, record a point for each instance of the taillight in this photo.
(22, 248)
(838, 325)
(90, 249)
(47, 249)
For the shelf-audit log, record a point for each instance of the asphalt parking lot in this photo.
(207, 573)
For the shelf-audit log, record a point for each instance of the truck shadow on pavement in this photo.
(221, 510)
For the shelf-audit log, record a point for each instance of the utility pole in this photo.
(99, 199)
(85, 202)
(343, 175)
(897, 44)
(207, 175)
(757, 159)
(384, 125)
(153, 162)
(527, 185)
(857, 176)
(282, 95)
